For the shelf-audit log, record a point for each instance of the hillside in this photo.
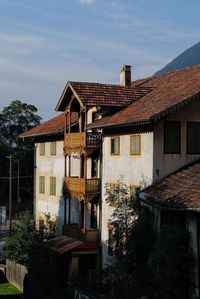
(189, 57)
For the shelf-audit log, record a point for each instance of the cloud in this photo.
(87, 1)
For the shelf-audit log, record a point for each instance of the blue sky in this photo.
(45, 43)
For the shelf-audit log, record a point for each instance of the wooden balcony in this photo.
(82, 140)
(80, 186)
(73, 231)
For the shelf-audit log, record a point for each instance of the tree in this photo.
(27, 238)
(172, 262)
(123, 216)
(15, 119)
(144, 263)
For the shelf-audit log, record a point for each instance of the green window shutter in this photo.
(135, 144)
(53, 186)
(42, 184)
(42, 149)
(53, 148)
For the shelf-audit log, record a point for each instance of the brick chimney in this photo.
(125, 76)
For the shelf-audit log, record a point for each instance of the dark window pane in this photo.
(193, 138)
(115, 146)
(172, 137)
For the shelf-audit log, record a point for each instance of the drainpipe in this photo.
(34, 183)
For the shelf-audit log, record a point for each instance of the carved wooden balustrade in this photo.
(82, 186)
(82, 140)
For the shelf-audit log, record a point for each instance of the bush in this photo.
(172, 263)
(25, 238)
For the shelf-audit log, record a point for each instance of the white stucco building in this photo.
(139, 132)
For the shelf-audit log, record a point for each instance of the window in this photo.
(53, 148)
(93, 215)
(42, 184)
(82, 215)
(94, 167)
(115, 146)
(193, 138)
(42, 149)
(52, 185)
(134, 191)
(114, 194)
(135, 145)
(172, 137)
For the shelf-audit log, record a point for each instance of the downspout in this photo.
(34, 183)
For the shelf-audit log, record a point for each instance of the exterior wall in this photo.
(132, 170)
(165, 164)
(48, 166)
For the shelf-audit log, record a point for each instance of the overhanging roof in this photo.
(169, 93)
(65, 244)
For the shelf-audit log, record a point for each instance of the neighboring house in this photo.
(175, 201)
(152, 137)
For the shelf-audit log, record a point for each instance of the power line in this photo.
(15, 177)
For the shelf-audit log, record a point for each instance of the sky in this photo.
(45, 43)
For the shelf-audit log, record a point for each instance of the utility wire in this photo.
(16, 177)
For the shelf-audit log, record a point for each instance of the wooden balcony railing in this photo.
(75, 140)
(73, 231)
(93, 139)
(85, 186)
(84, 139)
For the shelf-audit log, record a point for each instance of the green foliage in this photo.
(25, 239)
(145, 263)
(123, 216)
(172, 264)
(47, 227)
(15, 119)
(8, 289)
(129, 276)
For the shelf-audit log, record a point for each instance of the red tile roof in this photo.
(91, 94)
(64, 244)
(169, 91)
(108, 94)
(178, 190)
(53, 126)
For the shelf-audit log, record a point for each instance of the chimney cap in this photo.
(125, 75)
(126, 66)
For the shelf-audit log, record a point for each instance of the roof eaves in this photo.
(59, 104)
(174, 108)
(42, 134)
(147, 200)
(57, 108)
(122, 124)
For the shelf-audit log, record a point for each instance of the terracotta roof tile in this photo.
(168, 91)
(179, 190)
(64, 244)
(53, 126)
(108, 94)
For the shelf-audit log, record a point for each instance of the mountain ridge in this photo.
(187, 58)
